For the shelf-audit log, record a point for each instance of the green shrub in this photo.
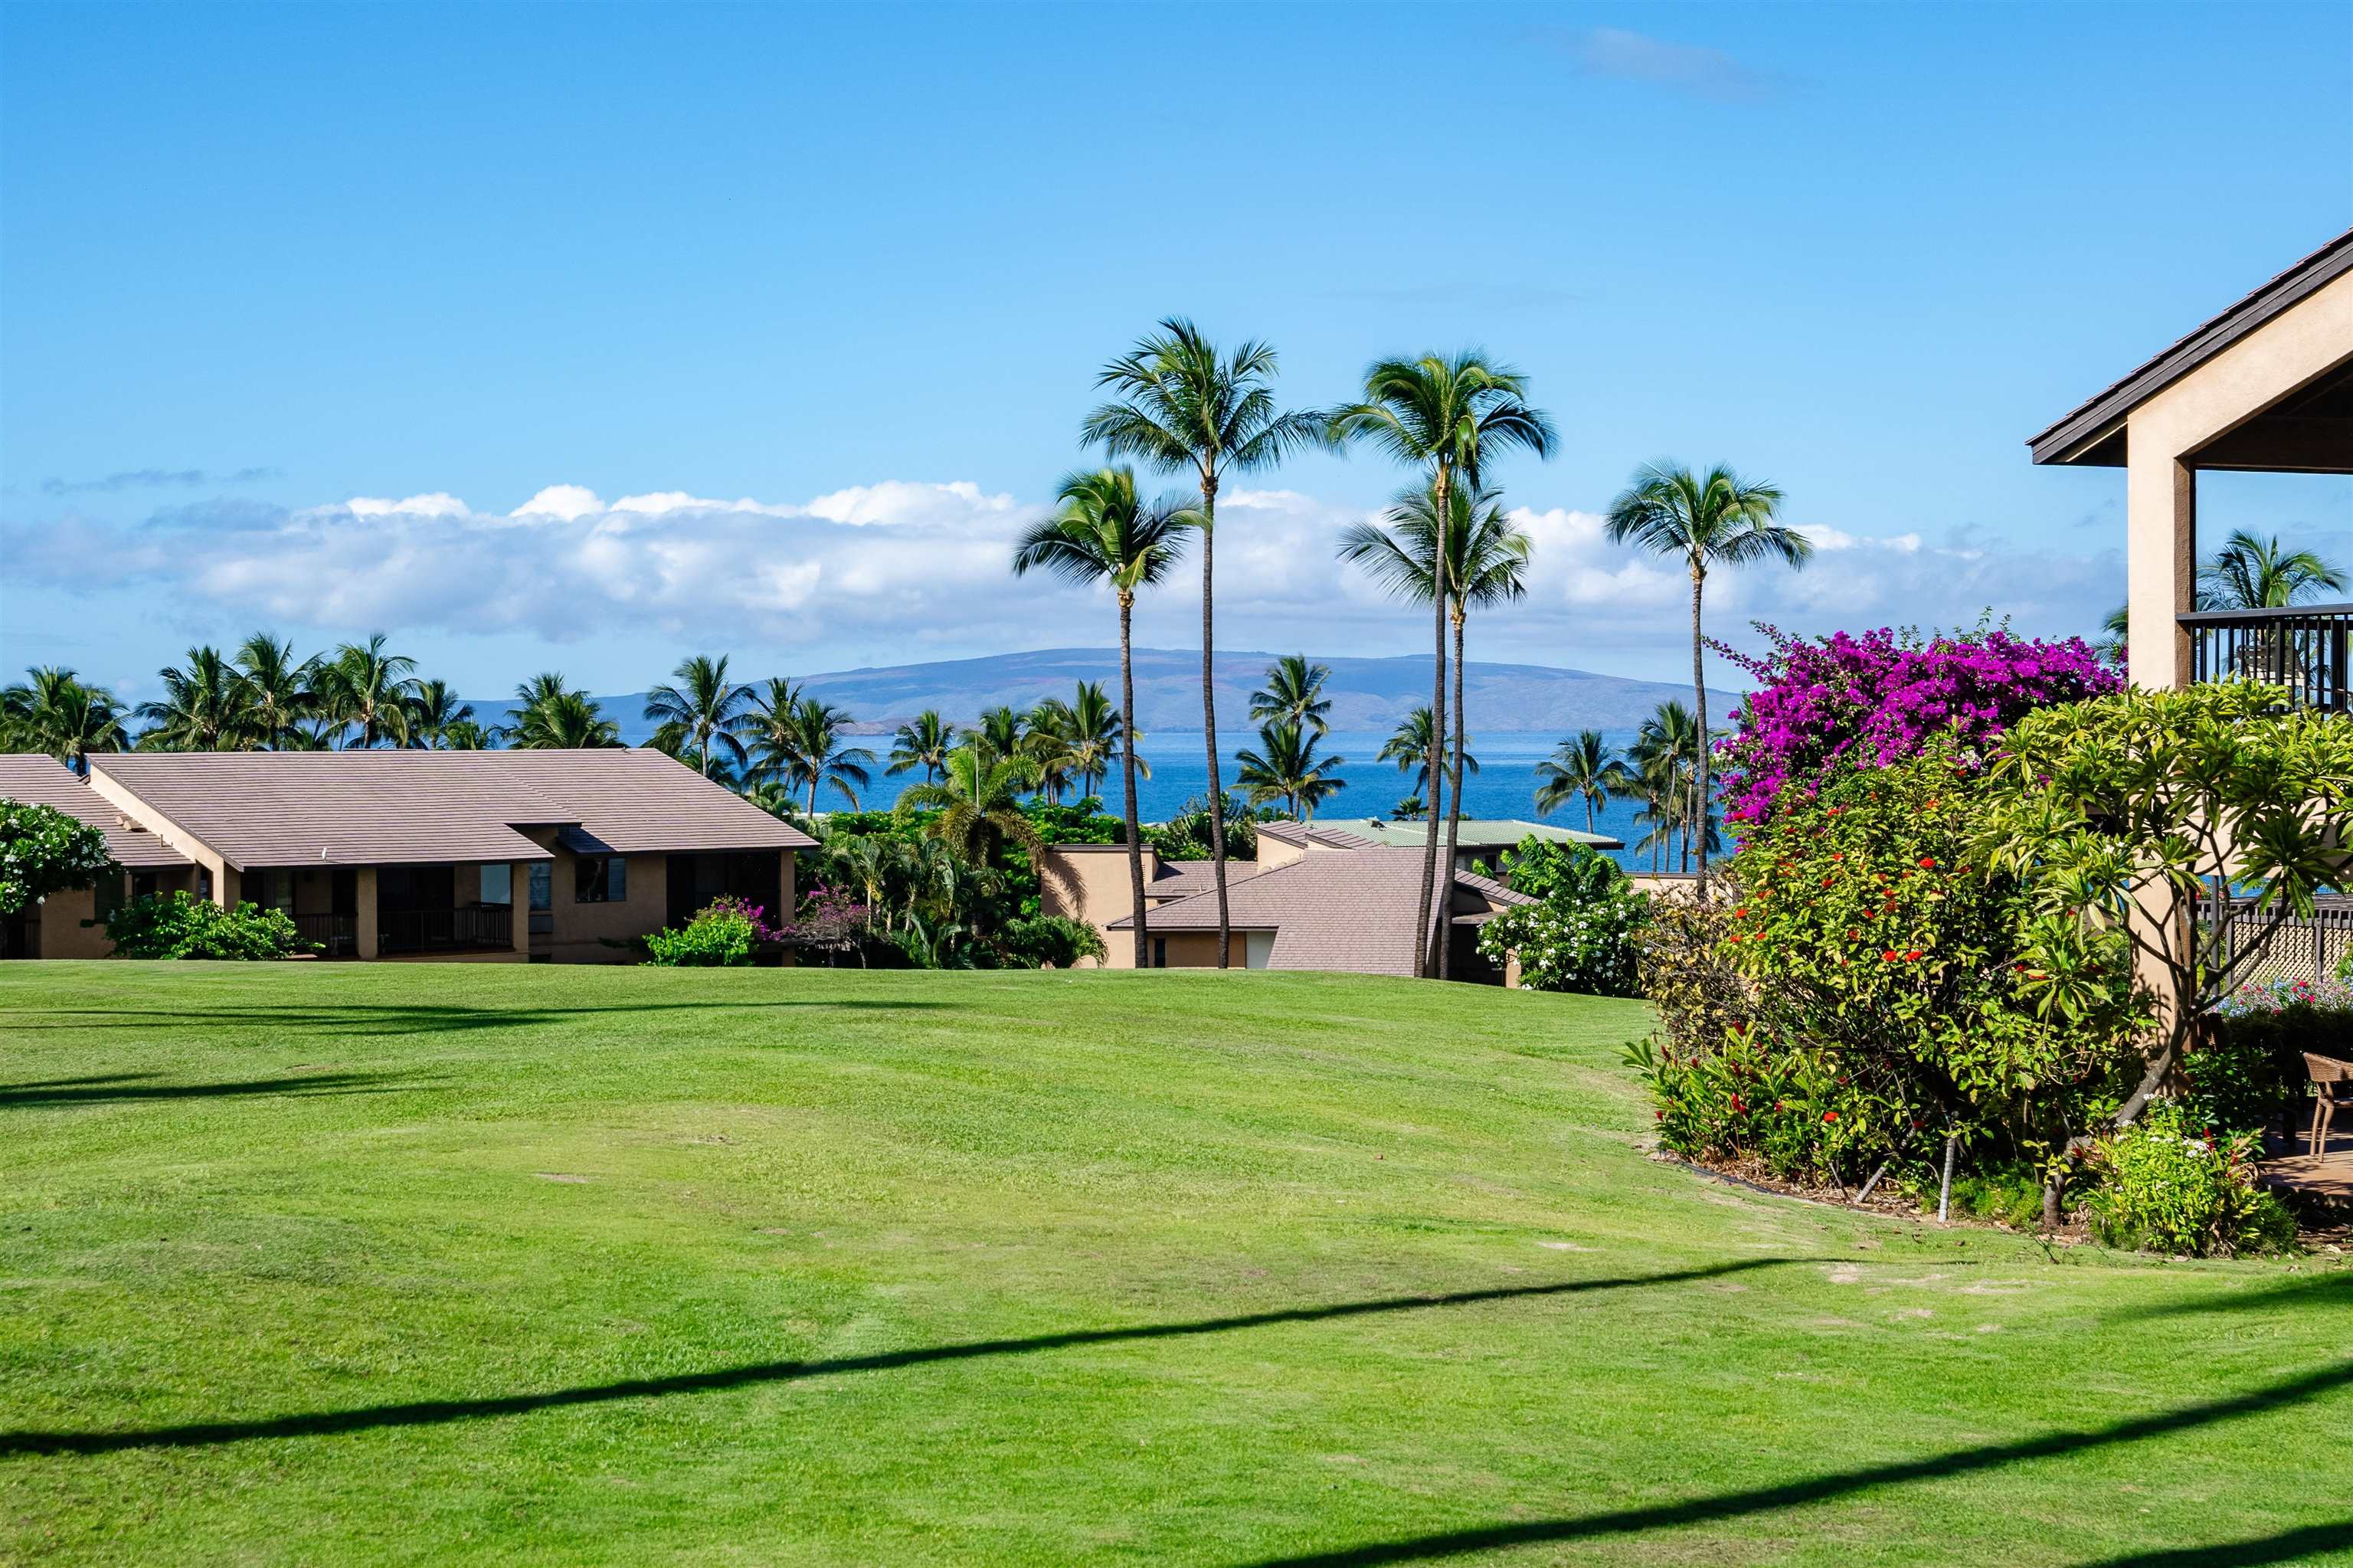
(1049, 941)
(2170, 1185)
(178, 926)
(2011, 1195)
(44, 851)
(1581, 933)
(724, 933)
(2250, 1065)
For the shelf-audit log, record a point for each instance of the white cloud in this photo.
(904, 570)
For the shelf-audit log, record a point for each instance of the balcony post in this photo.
(2161, 565)
(367, 942)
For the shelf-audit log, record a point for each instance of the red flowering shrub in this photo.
(1883, 697)
(1898, 993)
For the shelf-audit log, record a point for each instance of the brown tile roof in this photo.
(391, 807)
(45, 781)
(1351, 912)
(2085, 435)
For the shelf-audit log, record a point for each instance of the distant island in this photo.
(1366, 693)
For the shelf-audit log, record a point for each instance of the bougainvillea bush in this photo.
(1899, 994)
(725, 933)
(1880, 697)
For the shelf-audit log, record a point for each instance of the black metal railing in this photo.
(472, 927)
(2302, 651)
(334, 935)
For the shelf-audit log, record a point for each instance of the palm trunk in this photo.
(1127, 771)
(1210, 719)
(1453, 817)
(1441, 489)
(1699, 702)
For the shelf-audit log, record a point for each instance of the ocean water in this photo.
(1504, 785)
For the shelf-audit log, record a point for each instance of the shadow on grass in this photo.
(2330, 1292)
(2287, 1546)
(425, 1413)
(402, 1018)
(119, 1087)
(1844, 1483)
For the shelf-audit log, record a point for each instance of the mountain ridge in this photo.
(1367, 694)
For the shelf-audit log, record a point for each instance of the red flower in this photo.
(1913, 957)
(1852, 934)
(1888, 957)
(1830, 1116)
(1928, 862)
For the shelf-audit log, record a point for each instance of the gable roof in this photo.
(392, 808)
(2083, 436)
(1351, 912)
(1313, 835)
(44, 781)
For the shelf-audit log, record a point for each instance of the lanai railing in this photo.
(2303, 651)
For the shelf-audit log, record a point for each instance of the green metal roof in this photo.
(1474, 832)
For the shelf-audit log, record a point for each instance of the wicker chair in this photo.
(2332, 1086)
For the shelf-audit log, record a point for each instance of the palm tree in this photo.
(436, 717)
(1444, 416)
(1668, 753)
(2251, 573)
(1581, 768)
(979, 804)
(703, 708)
(1409, 748)
(1293, 694)
(553, 717)
(53, 712)
(202, 707)
(465, 735)
(1104, 534)
(1479, 558)
(1096, 737)
(810, 752)
(1285, 767)
(1715, 519)
(1184, 406)
(370, 689)
(769, 727)
(924, 743)
(1047, 736)
(280, 689)
(1000, 730)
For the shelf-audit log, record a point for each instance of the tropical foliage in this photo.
(1583, 768)
(176, 926)
(44, 851)
(726, 933)
(1581, 933)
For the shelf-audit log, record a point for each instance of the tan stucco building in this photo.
(476, 856)
(2265, 387)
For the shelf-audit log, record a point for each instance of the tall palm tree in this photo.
(811, 753)
(1446, 416)
(280, 689)
(55, 714)
(1409, 747)
(370, 689)
(202, 707)
(1105, 533)
(923, 742)
(438, 720)
(1582, 768)
(1184, 407)
(979, 805)
(1293, 694)
(553, 717)
(1710, 520)
(1477, 559)
(768, 730)
(1000, 730)
(701, 709)
(1285, 767)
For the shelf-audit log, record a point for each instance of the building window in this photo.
(204, 882)
(498, 883)
(1159, 952)
(543, 885)
(600, 879)
(143, 884)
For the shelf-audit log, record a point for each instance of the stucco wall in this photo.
(1089, 883)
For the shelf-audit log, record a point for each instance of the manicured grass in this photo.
(350, 1263)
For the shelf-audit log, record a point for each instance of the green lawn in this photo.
(348, 1264)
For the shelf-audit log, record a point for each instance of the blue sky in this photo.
(787, 317)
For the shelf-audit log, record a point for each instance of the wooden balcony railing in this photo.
(473, 927)
(2302, 651)
(334, 935)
